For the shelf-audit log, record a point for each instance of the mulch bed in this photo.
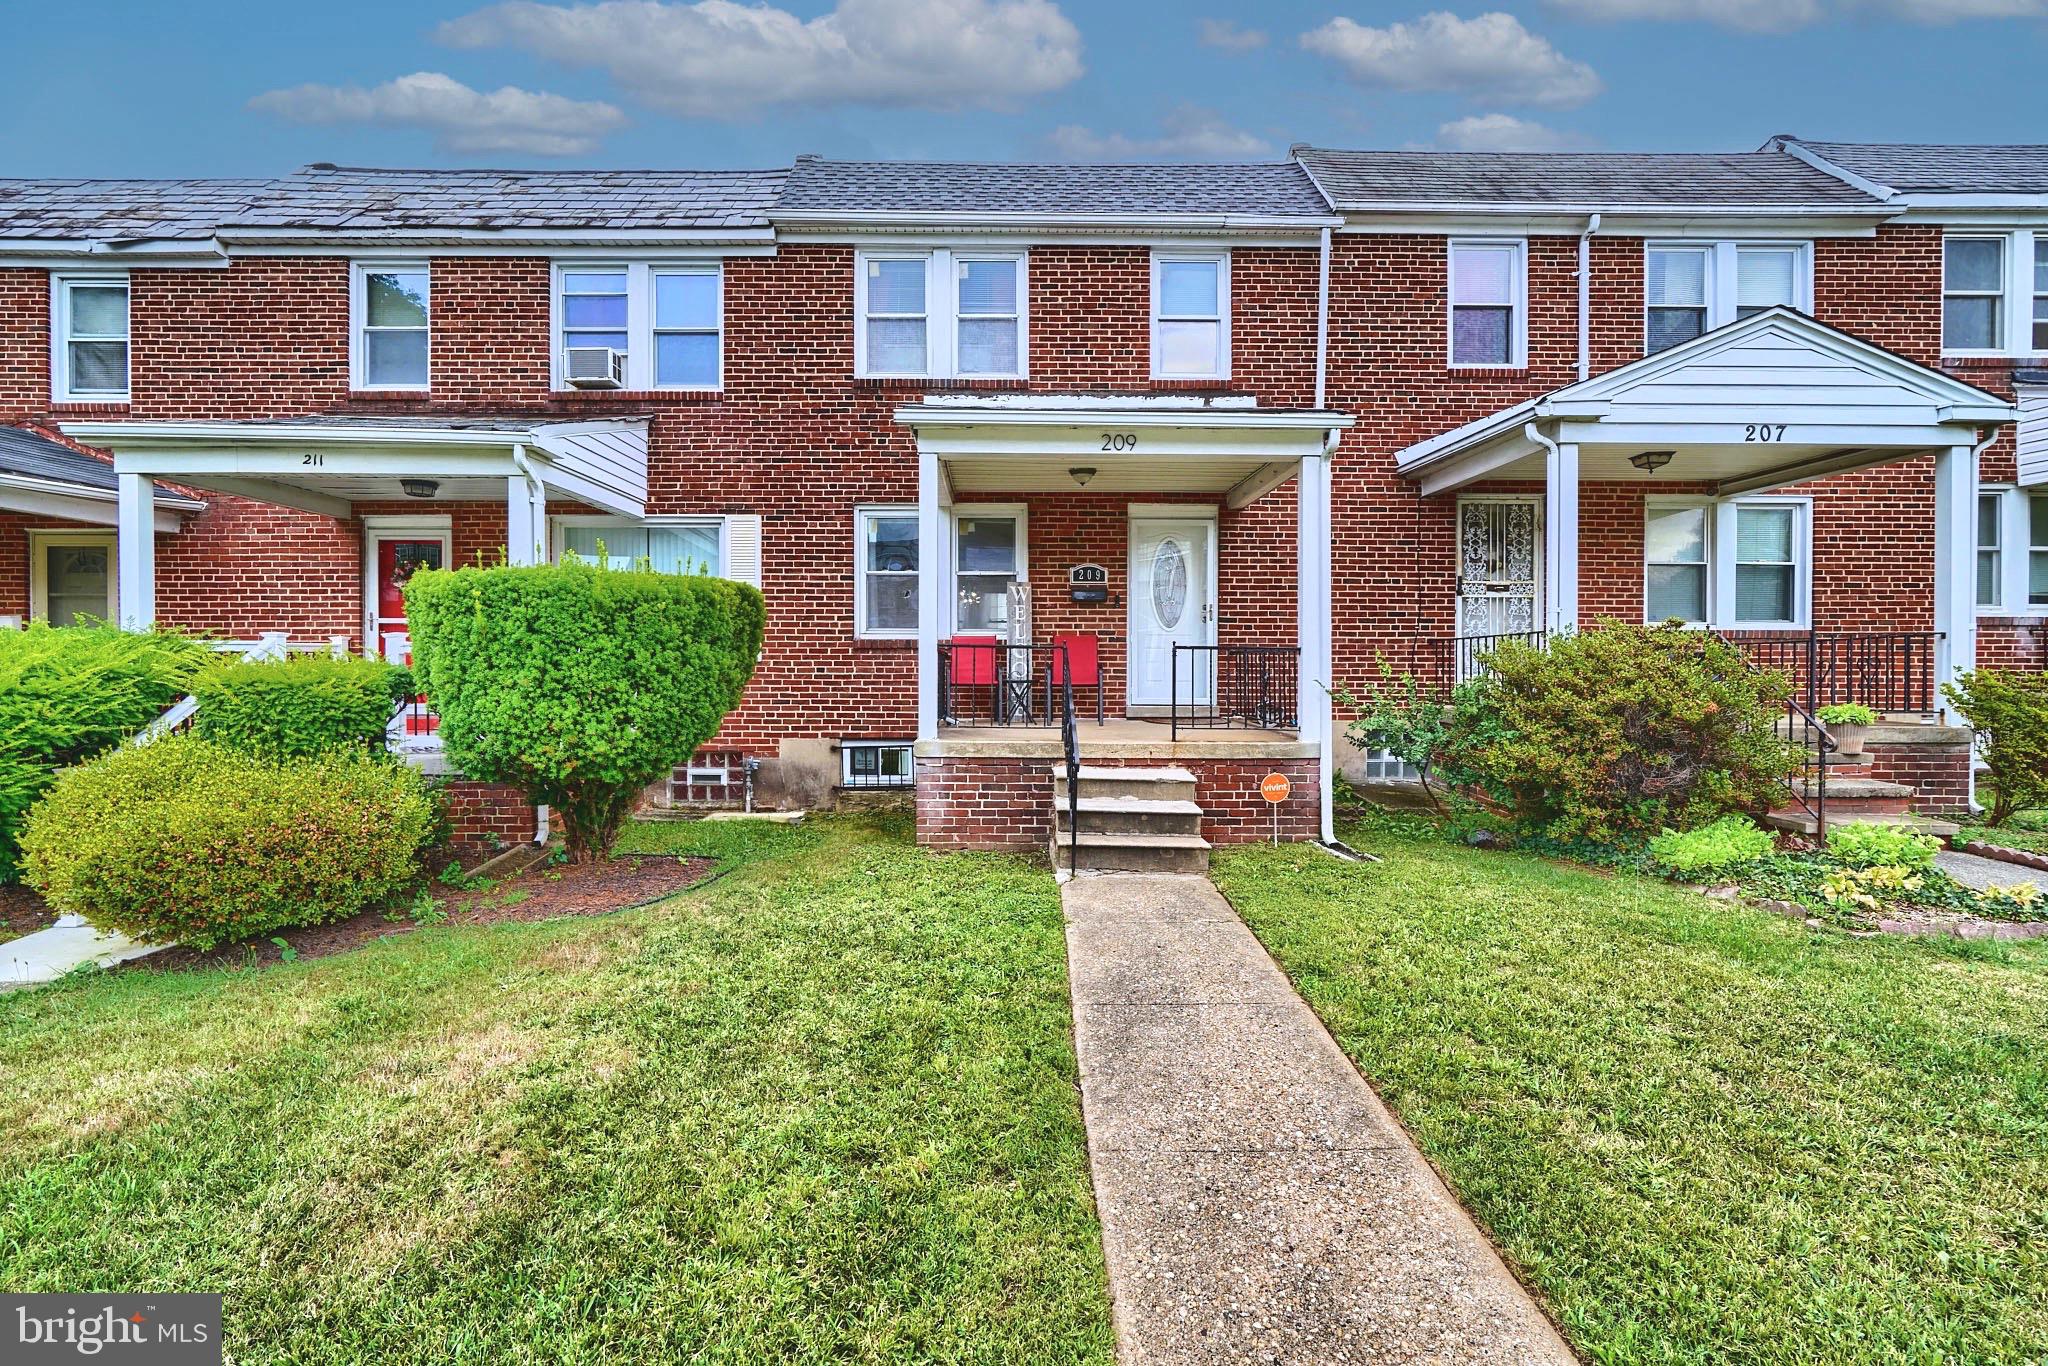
(22, 912)
(542, 892)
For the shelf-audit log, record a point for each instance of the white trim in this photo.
(951, 568)
(2015, 551)
(1221, 260)
(558, 525)
(846, 751)
(640, 273)
(1660, 501)
(1722, 271)
(1539, 605)
(39, 541)
(941, 307)
(61, 285)
(1719, 550)
(396, 527)
(1206, 514)
(1518, 302)
(359, 321)
(2016, 294)
(863, 513)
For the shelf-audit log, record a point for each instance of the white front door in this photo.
(1172, 602)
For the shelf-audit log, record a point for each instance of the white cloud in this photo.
(1225, 33)
(1186, 133)
(461, 119)
(1781, 16)
(1949, 11)
(717, 59)
(1490, 57)
(1503, 133)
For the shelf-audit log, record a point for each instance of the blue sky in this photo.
(235, 87)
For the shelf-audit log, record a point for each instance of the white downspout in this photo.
(1323, 323)
(536, 495)
(1585, 274)
(1976, 503)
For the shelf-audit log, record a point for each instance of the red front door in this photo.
(398, 558)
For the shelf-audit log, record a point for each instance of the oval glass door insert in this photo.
(1169, 583)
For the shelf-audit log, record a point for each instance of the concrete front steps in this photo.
(1131, 820)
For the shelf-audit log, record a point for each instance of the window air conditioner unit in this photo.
(594, 367)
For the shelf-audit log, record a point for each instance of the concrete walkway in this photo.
(69, 944)
(1258, 1201)
(1974, 870)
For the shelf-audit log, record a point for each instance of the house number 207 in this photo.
(1763, 431)
(1119, 441)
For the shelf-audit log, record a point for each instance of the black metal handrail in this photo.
(1070, 743)
(1887, 671)
(997, 683)
(1802, 725)
(1251, 687)
(1446, 661)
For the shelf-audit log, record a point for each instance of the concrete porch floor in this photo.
(1119, 737)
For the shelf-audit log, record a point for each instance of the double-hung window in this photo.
(1973, 294)
(1691, 288)
(391, 341)
(2012, 552)
(666, 320)
(1191, 315)
(89, 363)
(1739, 563)
(686, 545)
(885, 573)
(1990, 550)
(944, 313)
(2037, 551)
(2039, 340)
(1487, 293)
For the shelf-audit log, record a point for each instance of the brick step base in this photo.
(1131, 820)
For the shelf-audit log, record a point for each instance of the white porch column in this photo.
(135, 550)
(1955, 563)
(1561, 538)
(526, 521)
(1312, 623)
(931, 582)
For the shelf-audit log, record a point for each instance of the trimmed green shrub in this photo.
(1872, 846)
(69, 692)
(1613, 733)
(580, 684)
(2009, 712)
(1712, 850)
(1435, 738)
(185, 841)
(1846, 714)
(301, 705)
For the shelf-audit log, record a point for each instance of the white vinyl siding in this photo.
(1693, 287)
(885, 566)
(1488, 303)
(89, 359)
(1191, 315)
(1738, 564)
(667, 319)
(390, 342)
(941, 314)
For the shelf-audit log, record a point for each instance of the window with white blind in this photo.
(1675, 578)
(390, 305)
(944, 313)
(1973, 294)
(1486, 290)
(1766, 564)
(1191, 315)
(89, 360)
(682, 546)
(1694, 287)
(1742, 563)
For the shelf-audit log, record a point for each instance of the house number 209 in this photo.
(1763, 431)
(1119, 441)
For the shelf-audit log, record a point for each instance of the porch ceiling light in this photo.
(1651, 461)
(1082, 474)
(419, 488)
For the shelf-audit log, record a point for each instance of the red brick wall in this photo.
(487, 812)
(1940, 774)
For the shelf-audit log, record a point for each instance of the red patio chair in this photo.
(1083, 659)
(973, 665)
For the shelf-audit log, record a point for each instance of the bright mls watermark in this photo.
(163, 1330)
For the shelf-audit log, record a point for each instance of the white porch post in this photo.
(1955, 563)
(1312, 624)
(135, 550)
(1561, 538)
(526, 521)
(930, 585)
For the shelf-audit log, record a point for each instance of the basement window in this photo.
(876, 763)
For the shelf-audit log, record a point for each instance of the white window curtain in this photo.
(987, 312)
(683, 549)
(1675, 563)
(1485, 288)
(896, 315)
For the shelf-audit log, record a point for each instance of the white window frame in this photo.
(1666, 502)
(1221, 260)
(1995, 523)
(951, 576)
(2016, 303)
(359, 324)
(1518, 303)
(558, 540)
(61, 285)
(2016, 551)
(941, 309)
(1721, 562)
(640, 330)
(862, 515)
(1724, 275)
(846, 752)
(39, 542)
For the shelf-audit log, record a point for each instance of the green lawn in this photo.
(822, 1109)
(1704, 1133)
(2026, 830)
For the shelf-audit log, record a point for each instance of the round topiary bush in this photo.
(577, 683)
(303, 705)
(185, 841)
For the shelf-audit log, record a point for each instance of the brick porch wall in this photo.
(1939, 774)
(483, 812)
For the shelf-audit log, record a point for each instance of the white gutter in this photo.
(64, 488)
(1585, 275)
(1323, 318)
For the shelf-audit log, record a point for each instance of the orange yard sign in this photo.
(1274, 787)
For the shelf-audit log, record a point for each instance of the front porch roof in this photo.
(1031, 443)
(327, 464)
(46, 478)
(1767, 401)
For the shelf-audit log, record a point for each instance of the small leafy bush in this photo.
(1619, 731)
(1846, 714)
(2009, 712)
(1870, 889)
(1712, 850)
(1437, 739)
(298, 706)
(185, 841)
(69, 692)
(577, 683)
(1872, 846)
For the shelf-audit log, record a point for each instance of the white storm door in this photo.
(1499, 567)
(1172, 602)
(392, 557)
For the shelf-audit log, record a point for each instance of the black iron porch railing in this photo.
(1446, 661)
(995, 683)
(1885, 671)
(1250, 687)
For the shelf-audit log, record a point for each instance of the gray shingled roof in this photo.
(122, 210)
(1763, 180)
(351, 198)
(1272, 189)
(36, 456)
(1927, 169)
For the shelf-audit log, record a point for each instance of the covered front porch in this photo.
(1118, 583)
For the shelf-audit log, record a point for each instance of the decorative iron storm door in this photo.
(1498, 568)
